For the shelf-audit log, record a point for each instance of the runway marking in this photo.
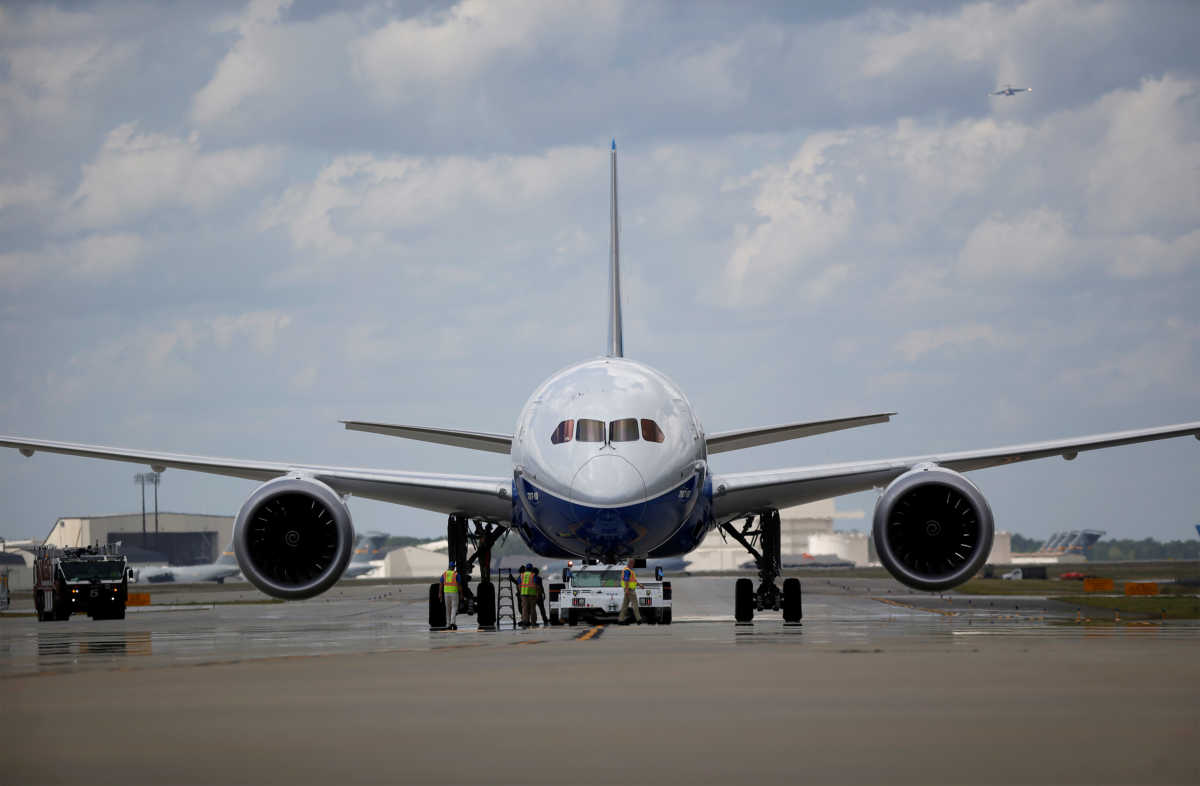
(903, 605)
(591, 633)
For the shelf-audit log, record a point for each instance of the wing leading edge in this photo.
(474, 496)
(748, 492)
(751, 437)
(476, 440)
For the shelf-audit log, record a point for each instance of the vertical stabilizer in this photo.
(616, 341)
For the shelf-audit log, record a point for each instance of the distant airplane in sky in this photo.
(1009, 90)
(609, 460)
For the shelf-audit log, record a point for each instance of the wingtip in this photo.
(614, 143)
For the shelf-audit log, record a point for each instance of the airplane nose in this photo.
(608, 480)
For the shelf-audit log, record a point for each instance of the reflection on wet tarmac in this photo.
(850, 618)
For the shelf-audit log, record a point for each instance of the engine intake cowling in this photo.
(933, 528)
(293, 538)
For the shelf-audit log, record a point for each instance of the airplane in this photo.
(1009, 90)
(368, 555)
(609, 462)
(225, 567)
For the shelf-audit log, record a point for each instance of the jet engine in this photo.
(293, 538)
(933, 528)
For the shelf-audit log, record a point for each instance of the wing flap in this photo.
(474, 496)
(748, 492)
(475, 440)
(751, 437)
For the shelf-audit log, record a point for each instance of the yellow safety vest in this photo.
(632, 583)
(527, 585)
(450, 581)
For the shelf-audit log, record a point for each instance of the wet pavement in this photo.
(877, 685)
(191, 625)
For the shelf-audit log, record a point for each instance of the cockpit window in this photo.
(624, 430)
(590, 431)
(651, 432)
(563, 433)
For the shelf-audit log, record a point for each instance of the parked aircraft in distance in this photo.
(1009, 90)
(610, 461)
(368, 555)
(225, 567)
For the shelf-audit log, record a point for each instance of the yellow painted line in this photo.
(590, 633)
(903, 605)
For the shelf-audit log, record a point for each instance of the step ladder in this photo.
(506, 607)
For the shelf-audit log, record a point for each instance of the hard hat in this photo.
(452, 563)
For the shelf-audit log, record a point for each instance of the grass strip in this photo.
(1172, 607)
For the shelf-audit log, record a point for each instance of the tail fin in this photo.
(616, 340)
(227, 556)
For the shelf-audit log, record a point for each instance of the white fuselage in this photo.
(609, 460)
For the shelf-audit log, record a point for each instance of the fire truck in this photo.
(94, 580)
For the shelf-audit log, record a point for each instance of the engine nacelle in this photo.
(293, 538)
(933, 528)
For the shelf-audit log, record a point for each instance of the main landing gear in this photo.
(482, 602)
(747, 599)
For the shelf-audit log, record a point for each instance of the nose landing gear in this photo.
(768, 596)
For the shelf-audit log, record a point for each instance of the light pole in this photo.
(144, 479)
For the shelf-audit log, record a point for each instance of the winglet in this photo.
(616, 341)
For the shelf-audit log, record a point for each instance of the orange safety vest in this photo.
(527, 585)
(632, 582)
(450, 581)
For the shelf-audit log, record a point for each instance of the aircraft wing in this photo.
(476, 440)
(743, 493)
(481, 497)
(746, 438)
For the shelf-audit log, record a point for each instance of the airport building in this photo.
(807, 537)
(174, 539)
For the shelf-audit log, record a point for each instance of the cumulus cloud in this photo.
(989, 33)
(137, 173)
(917, 343)
(1036, 244)
(169, 359)
(94, 258)
(360, 201)
(1016, 201)
(55, 60)
(452, 48)
(34, 192)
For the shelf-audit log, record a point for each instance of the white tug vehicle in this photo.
(592, 592)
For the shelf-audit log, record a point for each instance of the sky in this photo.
(224, 227)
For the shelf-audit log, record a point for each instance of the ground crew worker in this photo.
(450, 595)
(541, 595)
(629, 584)
(528, 590)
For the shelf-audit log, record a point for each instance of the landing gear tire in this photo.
(792, 608)
(664, 616)
(437, 609)
(485, 604)
(743, 601)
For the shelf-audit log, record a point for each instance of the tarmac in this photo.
(878, 684)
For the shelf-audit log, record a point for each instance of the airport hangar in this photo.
(168, 538)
